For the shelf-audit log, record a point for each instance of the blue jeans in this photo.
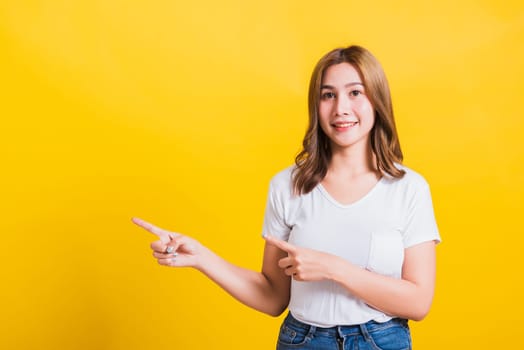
(391, 335)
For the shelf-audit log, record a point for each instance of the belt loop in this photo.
(364, 330)
(311, 332)
(340, 332)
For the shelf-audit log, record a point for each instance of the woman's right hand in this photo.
(172, 249)
(266, 291)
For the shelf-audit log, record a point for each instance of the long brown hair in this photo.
(312, 162)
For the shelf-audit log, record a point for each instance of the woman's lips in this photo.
(342, 126)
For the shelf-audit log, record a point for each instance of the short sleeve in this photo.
(274, 216)
(420, 224)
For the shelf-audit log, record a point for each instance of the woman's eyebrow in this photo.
(347, 85)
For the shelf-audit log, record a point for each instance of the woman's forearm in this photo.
(254, 289)
(396, 297)
(409, 297)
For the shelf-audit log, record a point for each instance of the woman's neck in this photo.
(352, 161)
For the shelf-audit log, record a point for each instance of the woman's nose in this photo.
(343, 106)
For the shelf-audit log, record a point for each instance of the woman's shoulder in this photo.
(282, 182)
(411, 178)
(284, 177)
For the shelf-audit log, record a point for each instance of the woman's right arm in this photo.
(266, 291)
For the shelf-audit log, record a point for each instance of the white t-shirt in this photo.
(371, 233)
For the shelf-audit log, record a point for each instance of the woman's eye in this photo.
(355, 92)
(328, 95)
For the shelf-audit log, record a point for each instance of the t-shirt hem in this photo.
(419, 240)
(381, 318)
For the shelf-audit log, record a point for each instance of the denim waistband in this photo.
(342, 331)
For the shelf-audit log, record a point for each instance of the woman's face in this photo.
(346, 115)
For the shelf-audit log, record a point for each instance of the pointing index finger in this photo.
(283, 245)
(165, 236)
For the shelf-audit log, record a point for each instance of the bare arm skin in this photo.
(266, 291)
(409, 297)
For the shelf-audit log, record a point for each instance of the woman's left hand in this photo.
(304, 264)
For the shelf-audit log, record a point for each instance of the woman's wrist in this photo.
(337, 269)
(204, 259)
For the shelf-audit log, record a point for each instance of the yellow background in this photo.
(180, 112)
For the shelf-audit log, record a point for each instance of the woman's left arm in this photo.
(409, 297)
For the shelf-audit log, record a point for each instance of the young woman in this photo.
(350, 232)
